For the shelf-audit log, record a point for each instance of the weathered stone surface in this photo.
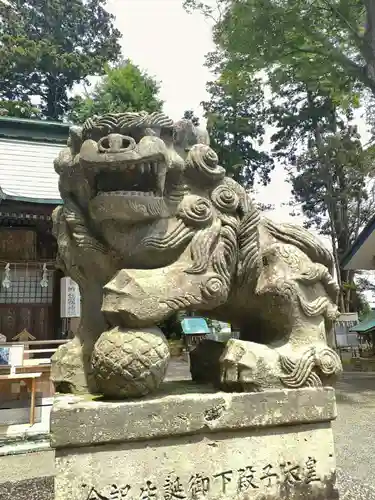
(151, 226)
(241, 365)
(251, 366)
(192, 443)
(66, 368)
(218, 466)
(184, 409)
(130, 362)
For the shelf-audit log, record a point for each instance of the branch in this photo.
(203, 8)
(354, 69)
(346, 23)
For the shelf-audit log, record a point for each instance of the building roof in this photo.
(27, 172)
(28, 149)
(361, 255)
(35, 130)
(366, 325)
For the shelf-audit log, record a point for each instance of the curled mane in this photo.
(302, 239)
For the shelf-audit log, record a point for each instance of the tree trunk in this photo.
(55, 98)
(368, 49)
(330, 203)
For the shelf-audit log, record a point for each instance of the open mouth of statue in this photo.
(142, 179)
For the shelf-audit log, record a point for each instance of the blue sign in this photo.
(4, 355)
(194, 326)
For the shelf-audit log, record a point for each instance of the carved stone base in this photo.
(191, 443)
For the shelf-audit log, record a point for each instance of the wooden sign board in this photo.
(17, 244)
(70, 306)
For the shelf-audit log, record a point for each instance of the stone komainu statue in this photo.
(150, 225)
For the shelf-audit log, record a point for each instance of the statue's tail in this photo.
(302, 239)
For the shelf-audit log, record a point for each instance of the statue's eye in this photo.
(265, 261)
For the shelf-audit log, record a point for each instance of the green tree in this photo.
(46, 46)
(330, 173)
(189, 115)
(123, 88)
(19, 109)
(236, 116)
(331, 42)
(318, 58)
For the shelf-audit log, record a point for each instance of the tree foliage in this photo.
(330, 42)
(329, 173)
(189, 115)
(236, 116)
(19, 109)
(46, 46)
(318, 59)
(123, 88)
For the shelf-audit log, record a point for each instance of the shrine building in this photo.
(361, 256)
(29, 282)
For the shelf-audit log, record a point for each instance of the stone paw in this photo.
(247, 366)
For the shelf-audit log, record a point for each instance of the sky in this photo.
(170, 44)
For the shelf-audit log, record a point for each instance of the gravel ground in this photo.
(354, 431)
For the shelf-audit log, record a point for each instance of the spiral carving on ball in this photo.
(203, 162)
(225, 199)
(328, 361)
(213, 288)
(195, 211)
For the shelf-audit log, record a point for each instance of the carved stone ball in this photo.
(129, 363)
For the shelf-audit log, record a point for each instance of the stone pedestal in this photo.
(192, 443)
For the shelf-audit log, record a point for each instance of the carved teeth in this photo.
(160, 182)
